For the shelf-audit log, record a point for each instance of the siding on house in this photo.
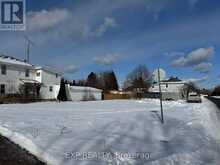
(47, 93)
(168, 87)
(48, 76)
(50, 81)
(14, 73)
(18, 72)
(170, 90)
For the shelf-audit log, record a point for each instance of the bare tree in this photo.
(189, 87)
(140, 77)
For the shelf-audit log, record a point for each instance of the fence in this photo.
(111, 96)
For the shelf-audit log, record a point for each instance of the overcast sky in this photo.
(80, 36)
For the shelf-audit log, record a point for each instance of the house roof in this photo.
(13, 61)
(170, 82)
(29, 81)
(172, 79)
(49, 69)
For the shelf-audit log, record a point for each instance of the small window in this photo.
(166, 85)
(2, 89)
(27, 73)
(38, 74)
(3, 69)
(51, 88)
(56, 75)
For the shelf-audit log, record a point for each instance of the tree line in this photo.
(216, 91)
(138, 78)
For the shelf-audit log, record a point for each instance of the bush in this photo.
(29, 91)
(17, 98)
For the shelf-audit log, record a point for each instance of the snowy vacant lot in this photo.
(115, 132)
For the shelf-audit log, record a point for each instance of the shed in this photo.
(80, 93)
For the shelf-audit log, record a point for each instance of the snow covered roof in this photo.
(170, 82)
(172, 79)
(81, 88)
(30, 81)
(13, 61)
(49, 69)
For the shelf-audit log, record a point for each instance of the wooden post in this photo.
(161, 97)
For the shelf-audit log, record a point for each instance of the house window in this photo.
(2, 89)
(27, 73)
(166, 85)
(51, 88)
(38, 74)
(3, 69)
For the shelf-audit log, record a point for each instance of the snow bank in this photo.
(209, 118)
(28, 145)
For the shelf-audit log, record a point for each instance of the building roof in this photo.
(81, 88)
(30, 81)
(172, 79)
(49, 69)
(170, 82)
(13, 61)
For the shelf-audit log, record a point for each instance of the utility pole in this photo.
(161, 97)
(29, 44)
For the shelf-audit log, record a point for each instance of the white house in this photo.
(171, 89)
(78, 93)
(15, 72)
(50, 82)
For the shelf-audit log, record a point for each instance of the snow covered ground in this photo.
(115, 132)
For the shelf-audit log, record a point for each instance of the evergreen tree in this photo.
(73, 83)
(110, 81)
(92, 80)
(62, 93)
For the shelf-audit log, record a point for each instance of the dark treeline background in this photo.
(139, 77)
(106, 81)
